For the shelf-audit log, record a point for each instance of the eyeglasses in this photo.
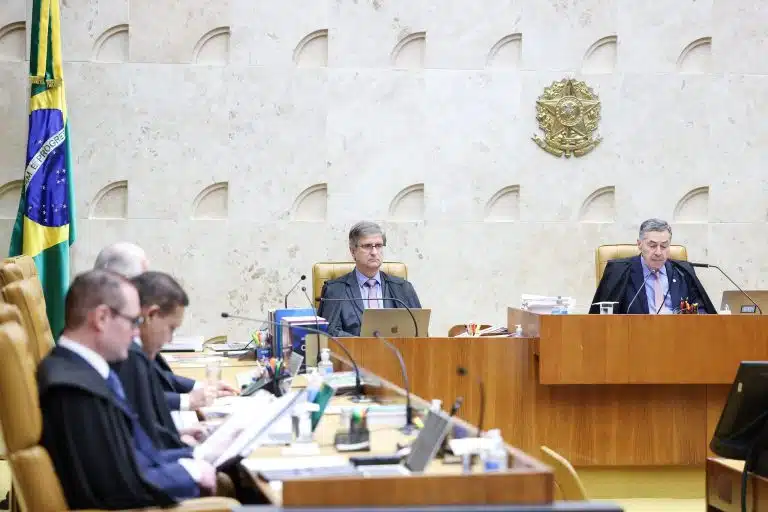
(370, 247)
(135, 321)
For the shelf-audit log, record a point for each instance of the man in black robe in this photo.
(651, 282)
(102, 455)
(163, 302)
(181, 393)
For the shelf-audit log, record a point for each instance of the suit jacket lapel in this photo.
(673, 279)
(353, 291)
(636, 274)
(167, 384)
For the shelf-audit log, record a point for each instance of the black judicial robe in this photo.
(145, 393)
(89, 438)
(174, 385)
(624, 277)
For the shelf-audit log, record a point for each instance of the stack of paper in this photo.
(544, 304)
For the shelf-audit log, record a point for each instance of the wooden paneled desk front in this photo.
(724, 487)
(602, 390)
(527, 481)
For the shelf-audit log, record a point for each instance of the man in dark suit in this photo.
(182, 394)
(651, 282)
(366, 286)
(101, 453)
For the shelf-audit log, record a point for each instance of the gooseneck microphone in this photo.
(707, 265)
(358, 384)
(285, 299)
(317, 321)
(394, 299)
(409, 426)
(462, 371)
(637, 294)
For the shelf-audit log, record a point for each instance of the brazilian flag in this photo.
(45, 223)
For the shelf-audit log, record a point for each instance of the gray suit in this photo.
(344, 318)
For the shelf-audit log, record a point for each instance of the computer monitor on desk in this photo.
(743, 424)
(395, 323)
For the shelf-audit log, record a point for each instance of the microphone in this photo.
(462, 371)
(285, 300)
(317, 322)
(639, 290)
(358, 385)
(707, 265)
(408, 428)
(394, 299)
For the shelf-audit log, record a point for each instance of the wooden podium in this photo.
(602, 390)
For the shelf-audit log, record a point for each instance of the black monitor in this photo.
(744, 418)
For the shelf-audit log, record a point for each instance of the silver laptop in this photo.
(394, 323)
(423, 449)
(740, 305)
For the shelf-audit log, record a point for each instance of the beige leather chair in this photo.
(27, 295)
(327, 270)
(567, 481)
(605, 253)
(36, 486)
(16, 269)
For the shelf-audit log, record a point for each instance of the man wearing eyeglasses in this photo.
(129, 260)
(366, 286)
(102, 455)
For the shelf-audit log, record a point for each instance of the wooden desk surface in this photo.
(724, 487)
(527, 481)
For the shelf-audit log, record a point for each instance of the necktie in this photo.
(142, 442)
(658, 296)
(114, 384)
(373, 301)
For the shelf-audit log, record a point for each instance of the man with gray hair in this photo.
(651, 282)
(123, 258)
(129, 260)
(366, 286)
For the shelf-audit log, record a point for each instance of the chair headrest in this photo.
(27, 295)
(327, 270)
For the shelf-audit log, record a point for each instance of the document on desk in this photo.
(228, 405)
(246, 429)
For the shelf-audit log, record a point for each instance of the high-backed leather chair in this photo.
(605, 253)
(8, 314)
(17, 268)
(327, 270)
(27, 295)
(35, 483)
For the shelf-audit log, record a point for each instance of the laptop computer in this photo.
(394, 323)
(423, 449)
(740, 305)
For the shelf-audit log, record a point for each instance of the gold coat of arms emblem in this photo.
(568, 112)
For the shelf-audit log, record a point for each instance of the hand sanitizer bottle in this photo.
(325, 366)
(494, 456)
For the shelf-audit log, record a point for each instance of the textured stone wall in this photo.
(237, 140)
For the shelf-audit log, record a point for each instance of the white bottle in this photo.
(518, 331)
(325, 366)
(726, 310)
(437, 405)
(494, 456)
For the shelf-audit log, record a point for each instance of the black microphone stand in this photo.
(285, 299)
(409, 426)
